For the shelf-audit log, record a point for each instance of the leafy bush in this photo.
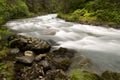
(20, 9)
(12, 9)
(108, 16)
(96, 11)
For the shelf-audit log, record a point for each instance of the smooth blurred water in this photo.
(100, 45)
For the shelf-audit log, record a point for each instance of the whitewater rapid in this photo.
(100, 45)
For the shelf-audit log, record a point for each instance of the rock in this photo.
(61, 58)
(56, 75)
(25, 59)
(14, 50)
(29, 53)
(40, 57)
(52, 42)
(33, 44)
(51, 32)
(29, 72)
(62, 63)
(45, 65)
(109, 75)
(64, 52)
(78, 74)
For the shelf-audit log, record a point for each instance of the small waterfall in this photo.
(100, 45)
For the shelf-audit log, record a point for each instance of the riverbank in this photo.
(70, 18)
(17, 9)
(100, 13)
(27, 62)
(90, 41)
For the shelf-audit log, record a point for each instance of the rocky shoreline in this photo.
(33, 59)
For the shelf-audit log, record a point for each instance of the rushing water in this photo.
(100, 45)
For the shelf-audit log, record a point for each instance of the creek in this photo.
(101, 46)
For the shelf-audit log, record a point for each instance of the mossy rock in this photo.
(63, 64)
(61, 58)
(23, 43)
(108, 75)
(56, 75)
(83, 75)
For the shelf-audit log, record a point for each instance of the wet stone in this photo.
(40, 57)
(25, 59)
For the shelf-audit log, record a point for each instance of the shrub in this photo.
(12, 9)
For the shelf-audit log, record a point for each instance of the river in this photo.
(100, 45)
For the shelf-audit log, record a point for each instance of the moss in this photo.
(3, 52)
(0, 38)
(4, 34)
(64, 64)
(108, 75)
(83, 75)
(5, 31)
(12, 42)
(3, 66)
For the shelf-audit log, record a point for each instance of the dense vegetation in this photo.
(12, 9)
(103, 11)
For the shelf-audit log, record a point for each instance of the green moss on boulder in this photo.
(108, 75)
(83, 75)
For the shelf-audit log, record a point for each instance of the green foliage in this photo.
(95, 11)
(0, 38)
(3, 66)
(20, 9)
(12, 9)
(7, 68)
(83, 75)
(4, 34)
(4, 52)
(35, 6)
(108, 16)
(56, 5)
(5, 31)
(77, 4)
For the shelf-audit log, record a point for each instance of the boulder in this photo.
(78, 74)
(56, 75)
(25, 59)
(29, 53)
(23, 43)
(40, 57)
(33, 72)
(14, 50)
(45, 65)
(60, 58)
(52, 42)
(109, 75)
(64, 52)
